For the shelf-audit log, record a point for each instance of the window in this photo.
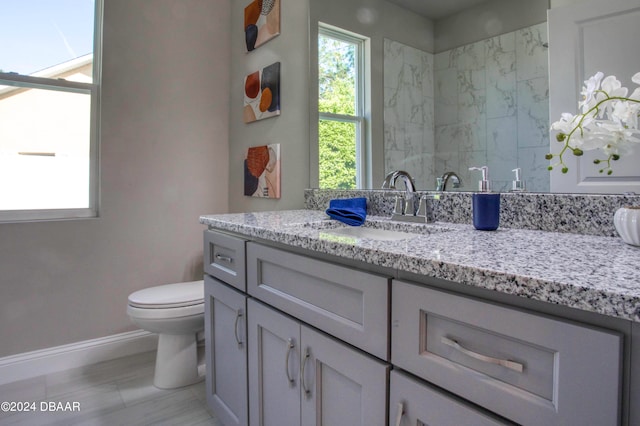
(49, 87)
(341, 123)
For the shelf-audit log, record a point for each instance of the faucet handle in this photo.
(410, 206)
(425, 209)
(422, 207)
(399, 205)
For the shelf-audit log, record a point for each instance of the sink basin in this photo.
(378, 230)
(370, 233)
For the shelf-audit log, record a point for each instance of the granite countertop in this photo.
(591, 273)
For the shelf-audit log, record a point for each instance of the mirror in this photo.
(465, 83)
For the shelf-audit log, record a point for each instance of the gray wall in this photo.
(291, 128)
(164, 161)
(487, 20)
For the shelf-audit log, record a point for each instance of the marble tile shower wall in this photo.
(484, 103)
(409, 137)
(588, 214)
(492, 108)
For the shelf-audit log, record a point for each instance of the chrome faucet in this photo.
(442, 181)
(406, 209)
(392, 177)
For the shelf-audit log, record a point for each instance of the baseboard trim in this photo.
(45, 361)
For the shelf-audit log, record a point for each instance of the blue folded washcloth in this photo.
(352, 211)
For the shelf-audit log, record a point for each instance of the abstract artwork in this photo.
(261, 22)
(262, 94)
(262, 171)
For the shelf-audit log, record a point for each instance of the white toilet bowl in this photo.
(176, 313)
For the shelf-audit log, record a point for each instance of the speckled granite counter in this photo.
(591, 273)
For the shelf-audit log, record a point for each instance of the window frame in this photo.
(61, 85)
(359, 118)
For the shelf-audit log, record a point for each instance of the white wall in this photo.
(164, 161)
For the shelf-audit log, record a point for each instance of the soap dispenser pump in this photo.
(517, 185)
(483, 184)
(486, 205)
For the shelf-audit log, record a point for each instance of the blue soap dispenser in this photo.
(486, 205)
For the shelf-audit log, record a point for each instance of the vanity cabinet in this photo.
(527, 367)
(347, 303)
(226, 352)
(295, 340)
(300, 376)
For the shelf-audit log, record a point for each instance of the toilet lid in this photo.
(169, 295)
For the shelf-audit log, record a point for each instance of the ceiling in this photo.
(436, 9)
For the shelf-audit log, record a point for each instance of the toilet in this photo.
(176, 313)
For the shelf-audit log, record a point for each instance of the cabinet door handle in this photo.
(224, 258)
(511, 365)
(399, 414)
(307, 392)
(290, 347)
(239, 315)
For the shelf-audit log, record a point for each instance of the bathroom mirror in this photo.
(454, 84)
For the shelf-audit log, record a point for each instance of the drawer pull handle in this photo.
(307, 392)
(239, 315)
(511, 365)
(290, 347)
(399, 413)
(224, 258)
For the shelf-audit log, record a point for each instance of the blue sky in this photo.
(37, 34)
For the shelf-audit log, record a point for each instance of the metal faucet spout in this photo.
(442, 181)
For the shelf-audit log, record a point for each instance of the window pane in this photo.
(337, 76)
(337, 142)
(44, 149)
(36, 35)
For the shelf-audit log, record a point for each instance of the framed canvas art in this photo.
(262, 171)
(261, 22)
(262, 94)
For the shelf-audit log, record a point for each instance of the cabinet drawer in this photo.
(529, 368)
(224, 258)
(413, 402)
(348, 304)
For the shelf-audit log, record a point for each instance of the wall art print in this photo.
(262, 171)
(262, 94)
(261, 22)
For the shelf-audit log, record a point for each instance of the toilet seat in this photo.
(165, 313)
(169, 296)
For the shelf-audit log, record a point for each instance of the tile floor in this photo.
(117, 392)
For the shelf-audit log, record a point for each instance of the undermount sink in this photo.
(378, 230)
(370, 233)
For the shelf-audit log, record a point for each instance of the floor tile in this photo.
(117, 392)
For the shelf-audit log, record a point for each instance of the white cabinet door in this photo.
(226, 352)
(592, 36)
(341, 386)
(274, 365)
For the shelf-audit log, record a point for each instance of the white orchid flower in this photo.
(566, 124)
(609, 121)
(590, 87)
(617, 138)
(626, 113)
